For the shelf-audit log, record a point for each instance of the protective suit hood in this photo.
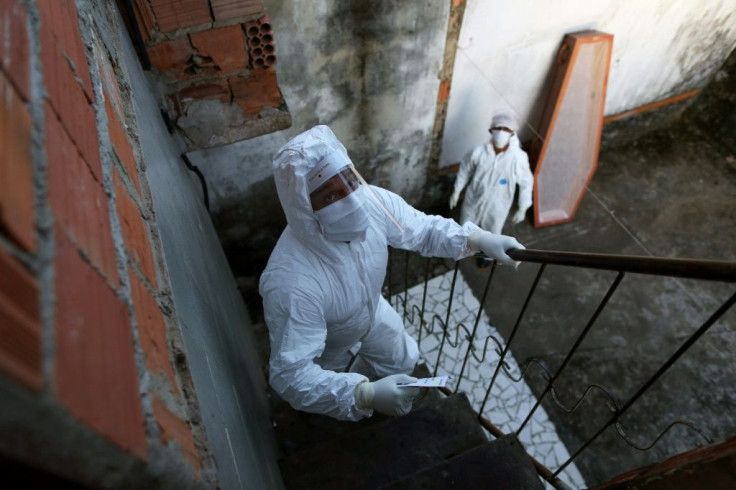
(291, 165)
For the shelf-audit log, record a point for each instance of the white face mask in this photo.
(500, 138)
(345, 220)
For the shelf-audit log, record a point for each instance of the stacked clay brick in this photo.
(211, 50)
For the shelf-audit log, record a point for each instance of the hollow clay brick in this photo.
(20, 329)
(256, 91)
(135, 230)
(16, 173)
(14, 50)
(78, 202)
(225, 45)
(233, 9)
(60, 33)
(95, 373)
(173, 428)
(171, 57)
(151, 331)
(121, 144)
(176, 14)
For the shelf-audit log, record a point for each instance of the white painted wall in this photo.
(505, 52)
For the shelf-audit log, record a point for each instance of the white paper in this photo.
(435, 382)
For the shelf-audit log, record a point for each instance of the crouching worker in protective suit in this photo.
(322, 286)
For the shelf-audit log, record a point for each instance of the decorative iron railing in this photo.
(453, 336)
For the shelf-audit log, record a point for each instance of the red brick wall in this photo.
(213, 50)
(20, 329)
(72, 155)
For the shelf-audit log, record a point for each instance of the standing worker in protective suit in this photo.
(494, 169)
(322, 286)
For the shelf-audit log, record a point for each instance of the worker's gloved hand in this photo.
(386, 396)
(494, 246)
(453, 199)
(519, 216)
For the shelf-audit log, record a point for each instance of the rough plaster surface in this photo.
(506, 49)
(213, 319)
(370, 71)
(714, 111)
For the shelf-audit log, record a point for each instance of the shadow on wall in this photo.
(713, 110)
(248, 228)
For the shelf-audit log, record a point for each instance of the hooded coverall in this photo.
(493, 180)
(322, 299)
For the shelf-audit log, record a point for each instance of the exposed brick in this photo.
(71, 106)
(95, 370)
(261, 47)
(231, 9)
(144, 17)
(151, 330)
(444, 91)
(16, 173)
(135, 230)
(20, 329)
(176, 14)
(225, 45)
(109, 81)
(14, 50)
(175, 429)
(256, 91)
(121, 144)
(171, 57)
(218, 90)
(77, 200)
(457, 3)
(18, 286)
(60, 32)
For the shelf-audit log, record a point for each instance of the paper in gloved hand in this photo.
(435, 382)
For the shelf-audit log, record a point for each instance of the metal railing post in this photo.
(673, 358)
(475, 325)
(580, 339)
(513, 333)
(447, 319)
(424, 301)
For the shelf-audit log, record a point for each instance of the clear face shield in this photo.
(332, 181)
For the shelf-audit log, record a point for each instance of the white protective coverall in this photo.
(493, 180)
(322, 299)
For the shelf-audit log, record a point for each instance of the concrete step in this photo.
(389, 450)
(500, 464)
(297, 430)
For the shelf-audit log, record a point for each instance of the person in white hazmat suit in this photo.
(494, 169)
(321, 288)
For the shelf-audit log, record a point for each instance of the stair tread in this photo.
(296, 430)
(499, 464)
(395, 448)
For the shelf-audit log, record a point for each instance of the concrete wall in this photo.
(505, 52)
(368, 70)
(125, 360)
(713, 111)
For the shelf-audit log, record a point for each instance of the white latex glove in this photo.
(519, 216)
(494, 246)
(453, 199)
(385, 396)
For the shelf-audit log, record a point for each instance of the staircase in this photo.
(438, 445)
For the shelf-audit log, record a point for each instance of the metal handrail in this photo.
(709, 270)
(712, 270)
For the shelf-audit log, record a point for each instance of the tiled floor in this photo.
(509, 402)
